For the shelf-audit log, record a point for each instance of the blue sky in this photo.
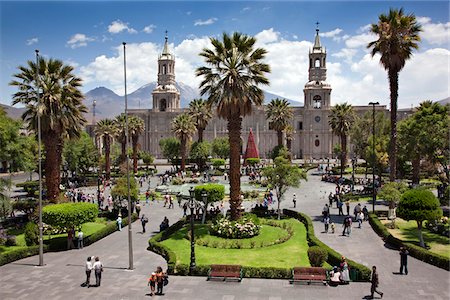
(89, 34)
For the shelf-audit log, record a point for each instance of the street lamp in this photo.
(191, 204)
(374, 196)
(204, 196)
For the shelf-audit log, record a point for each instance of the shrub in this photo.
(252, 161)
(240, 229)
(69, 215)
(218, 162)
(216, 192)
(317, 256)
(31, 234)
(11, 241)
(17, 254)
(2, 241)
(177, 181)
(120, 190)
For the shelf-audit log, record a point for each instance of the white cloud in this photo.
(79, 40)
(334, 34)
(149, 28)
(245, 9)
(188, 13)
(436, 33)
(119, 26)
(360, 40)
(346, 54)
(295, 37)
(364, 28)
(32, 41)
(267, 36)
(205, 22)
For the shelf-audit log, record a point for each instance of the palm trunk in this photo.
(280, 137)
(134, 140)
(289, 144)
(123, 154)
(393, 86)
(416, 170)
(419, 227)
(343, 152)
(200, 134)
(183, 153)
(52, 164)
(234, 137)
(107, 157)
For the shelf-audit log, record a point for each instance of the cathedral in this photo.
(312, 137)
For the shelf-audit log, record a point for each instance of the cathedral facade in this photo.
(312, 138)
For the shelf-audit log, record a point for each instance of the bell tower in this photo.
(166, 96)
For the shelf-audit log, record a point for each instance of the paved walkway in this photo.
(63, 273)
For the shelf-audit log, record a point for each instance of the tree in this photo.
(184, 127)
(221, 147)
(200, 111)
(5, 201)
(424, 135)
(231, 78)
(147, 158)
(120, 192)
(121, 134)
(80, 154)
(392, 192)
(136, 128)
(419, 205)
(279, 114)
(200, 151)
(283, 175)
(60, 107)
(170, 148)
(398, 36)
(107, 130)
(341, 119)
(289, 131)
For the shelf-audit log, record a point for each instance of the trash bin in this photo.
(354, 275)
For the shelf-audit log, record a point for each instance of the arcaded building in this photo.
(312, 138)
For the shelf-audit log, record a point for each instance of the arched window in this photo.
(317, 63)
(317, 101)
(164, 69)
(163, 105)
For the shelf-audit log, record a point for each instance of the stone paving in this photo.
(63, 273)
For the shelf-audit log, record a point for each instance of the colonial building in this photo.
(312, 138)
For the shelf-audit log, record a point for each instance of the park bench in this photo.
(224, 272)
(309, 275)
(382, 214)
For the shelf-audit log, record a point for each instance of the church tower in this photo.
(166, 96)
(317, 136)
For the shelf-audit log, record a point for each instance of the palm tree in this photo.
(231, 81)
(200, 111)
(279, 115)
(341, 119)
(184, 127)
(107, 130)
(121, 136)
(136, 128)
(60, 107)
(398, 36)
(289, 131)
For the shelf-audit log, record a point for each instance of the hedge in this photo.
(60, 243)
(68, 215)
(363, 273)
(334, 258)
(414, 250)
(215, 191)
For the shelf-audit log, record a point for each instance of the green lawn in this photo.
(407, 231)
(285, 255)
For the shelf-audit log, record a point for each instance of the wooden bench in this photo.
(309, 275)
(224, 272)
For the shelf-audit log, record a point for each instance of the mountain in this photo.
(13, 112)
(444, 101)
(109, 104)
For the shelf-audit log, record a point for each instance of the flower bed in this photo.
(240, 229)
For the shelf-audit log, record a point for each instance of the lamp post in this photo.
(41, 240)
(374, 196)
(205, 205)
(191, 204)
(130, 232)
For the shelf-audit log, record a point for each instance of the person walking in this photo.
(144, 221)
(326, 221)
(119, 222)
(403, 260)
(294, 200)
(80, 239)
(98, 269)
(340, 205)
(347, 204)
(152, 283)
(374, 283)
(89, 268)
(160, 277)
(344, 270)
(138, 208)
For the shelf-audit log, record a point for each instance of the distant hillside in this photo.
(444, 101)
(13, 112)
(109, 104)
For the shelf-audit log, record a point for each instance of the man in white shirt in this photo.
(80, 239)
(98, 269)
(88, 270)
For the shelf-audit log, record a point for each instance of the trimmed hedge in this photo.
(215, 191)
(60, 244)
(68, 215)
(363, 273)
(334, 258)
(414, 250)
